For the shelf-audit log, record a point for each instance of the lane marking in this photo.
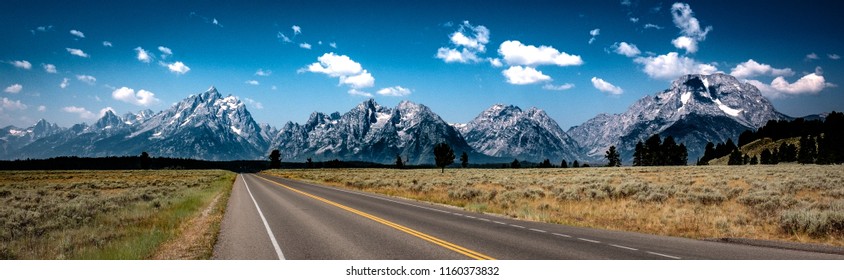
(500, 223)
(624, 247)
(589, 240)
(423, 236)
(266, 225)
(482, 219)
(538, 230)
(563, 235)
(518, 226)
(664, 255)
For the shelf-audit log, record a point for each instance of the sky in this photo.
(70, 61)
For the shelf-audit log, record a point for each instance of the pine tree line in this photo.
(656, 152)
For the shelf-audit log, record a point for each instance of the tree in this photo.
(545, 164)
(145, 161)
(399, 163)
(735, 158)
(765, 157)
(651, 155)
(808, 150)
(515, 164)
(275, 159)
(613, 157)
(464, 160)
(443, 155)
(575, 164)
(638, 154)
(564, 164)
(754, 160)
(683, 155)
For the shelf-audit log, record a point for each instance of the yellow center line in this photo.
(423, 236)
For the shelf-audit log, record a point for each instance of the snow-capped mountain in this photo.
(508, 132)
(13, 138)
(694, 110)
(369, 132)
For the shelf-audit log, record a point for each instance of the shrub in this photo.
(465, 193)
(814, 222)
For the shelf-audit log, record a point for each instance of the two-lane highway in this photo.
(275, 218)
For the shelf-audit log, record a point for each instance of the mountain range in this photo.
(694, 110)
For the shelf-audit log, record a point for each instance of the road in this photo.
(275, 218)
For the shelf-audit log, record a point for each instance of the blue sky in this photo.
(68, 61)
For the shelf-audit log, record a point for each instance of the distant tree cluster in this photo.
(712, 151)
(613, 157)
(656, 152)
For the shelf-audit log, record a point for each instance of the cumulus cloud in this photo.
(87, 79)
(143, 55)
(495, 62)
(625, 49)
(284, 38)
(140, 98)
(689, 26)
(518, 75)
(106, 44)
(42, 108)
(81, 111)
(333, 45)
(359, 93)
(347, 70)
(671, 65)
(833, 56)
(634, 19)
(65, 83)
(605, 86)
(178, 67)
(12, 105)
(362, 80)
(49, 68)
(751, 68)
(305, 46)
(516, 53)
(594, 33)
(296, 29)
(779, 88)
(22, 64)
(77, 52)
(165, 51)
(559, 87)
(653, 26)
(77, 33)
(395, 91)
(254, 103)
(812, 56)
(15, 88)
(467, 42)
(252, 82)
(262, 72)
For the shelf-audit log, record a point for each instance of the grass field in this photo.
(111, 214)
(802, 203)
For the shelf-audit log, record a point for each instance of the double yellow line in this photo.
(437, 241)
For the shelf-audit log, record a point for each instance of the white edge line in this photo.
(563, 235)
(664, 255)
(624, 247)
(538, 230)
(517, 226)
(589, 240)
(266, 225)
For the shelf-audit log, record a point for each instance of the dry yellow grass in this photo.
(109, 214)
(783, 202)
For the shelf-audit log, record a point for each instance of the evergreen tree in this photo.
(564, 164)
(775, 156)
(746, 159)
(638, 153)
(546, 164)
(464, 160)
(735, 158)
(146, 162)
(808, 150)
(575, 164)
(683, 158)
(399, 162)
(515, 164)
(754, 160)
(309, 163)
(708, 154)
(443, 155)
(765, 157)
(275, 159)
(652, 155)
(613, 157)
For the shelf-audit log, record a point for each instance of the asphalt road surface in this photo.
(275, 218)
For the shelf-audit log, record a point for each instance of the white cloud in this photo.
(625, 3)
(165, 51)
(77, 52)
(77, 33)
(359, 93)
(518, 75)
(252, 82)
(689, 27)
(87, 79)
(466, 47)
(83, 113)
(395, 91)
(594, 32)
(833, 56)
(23, 64)
(634, 20)
(812, 56)
(558, 88)
(333, 45)
(362, 80)
(625, 49)
(296, 29)
(42, 108)
(254, 103)
(178, 67)
(670, 66)
(65, 83)
(605, 86)
(516, 53)
(263, 73)
(49, 68)
(305, 46)
(143, 55)
(334, 65)
(495, 62)
(106, 44)
(128, 95)
(779, 87)
(284, 38)
(12, 105)
(751, 68)
(215, 22)
(653, 26)
(15, 88)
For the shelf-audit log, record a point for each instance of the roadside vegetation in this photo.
(111, 214)
(801, 203)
